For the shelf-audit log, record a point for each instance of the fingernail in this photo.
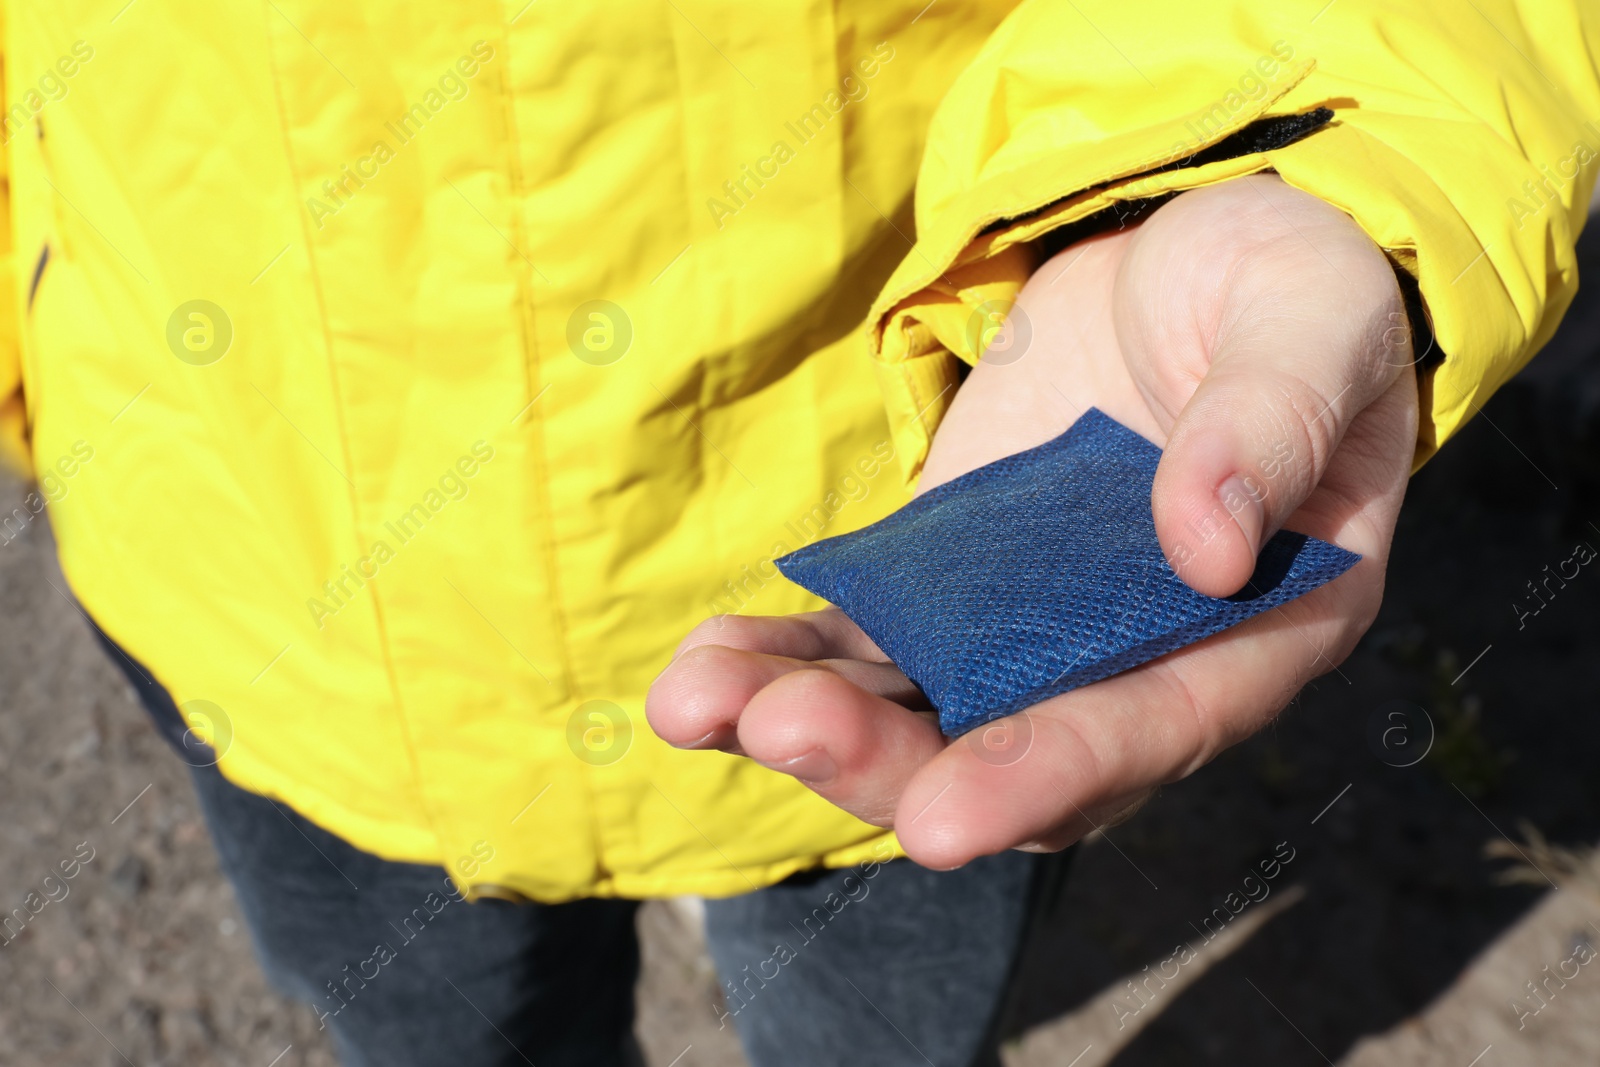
(717, 738)
(1244, 504)
(813, 768)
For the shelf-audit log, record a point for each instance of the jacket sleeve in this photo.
(14, 453)
(1463, 138)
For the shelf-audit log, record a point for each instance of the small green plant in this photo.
(1461, 753)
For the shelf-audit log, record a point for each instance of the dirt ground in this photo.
(1394, 935)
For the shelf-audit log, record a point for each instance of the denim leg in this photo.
(893, 964)
(402, 970)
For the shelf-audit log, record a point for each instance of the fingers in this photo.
(1295, 311)
(806, 695)
(814, 635)
(854, 748)
(1076, 761)
(698, 700)
(844, 727)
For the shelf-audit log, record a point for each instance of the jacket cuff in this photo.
(976, 249)
(1479, 208)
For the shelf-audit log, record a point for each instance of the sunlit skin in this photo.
(1251, 330)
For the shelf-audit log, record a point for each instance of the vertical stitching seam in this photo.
(384, 648)
(537, 430)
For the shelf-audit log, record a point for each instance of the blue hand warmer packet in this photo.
(1036, 574)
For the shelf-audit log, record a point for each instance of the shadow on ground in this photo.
(1399, 896)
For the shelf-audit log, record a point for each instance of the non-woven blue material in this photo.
(1036, 574)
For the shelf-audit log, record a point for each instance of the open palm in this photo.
(1258, 336)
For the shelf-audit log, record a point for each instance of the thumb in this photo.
(1258, 434)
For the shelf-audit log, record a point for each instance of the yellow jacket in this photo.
(407, 379)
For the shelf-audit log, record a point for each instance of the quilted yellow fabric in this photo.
(406, 380)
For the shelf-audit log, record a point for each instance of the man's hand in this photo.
(1258, 335)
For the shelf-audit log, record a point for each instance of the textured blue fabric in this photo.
(1036, 574)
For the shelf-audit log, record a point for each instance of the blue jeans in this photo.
(886, 964)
